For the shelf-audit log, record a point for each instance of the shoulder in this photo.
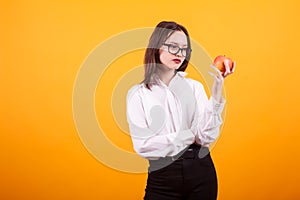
(135, 91)
(194, 84)
(191, 81)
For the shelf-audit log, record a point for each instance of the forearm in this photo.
(150, 145)
(207, 123)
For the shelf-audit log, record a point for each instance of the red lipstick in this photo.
(177, 61)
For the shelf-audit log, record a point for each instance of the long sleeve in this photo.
(207, 119)
(145, 125)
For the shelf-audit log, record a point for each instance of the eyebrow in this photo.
(185, 45)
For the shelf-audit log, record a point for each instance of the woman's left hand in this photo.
(219, 80)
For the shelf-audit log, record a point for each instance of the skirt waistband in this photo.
(194, 151)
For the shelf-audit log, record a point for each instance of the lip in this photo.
(177, 61)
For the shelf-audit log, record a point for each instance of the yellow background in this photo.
(43, 44)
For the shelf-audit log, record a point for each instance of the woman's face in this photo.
(171, 60)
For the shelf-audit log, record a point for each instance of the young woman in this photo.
(171, 120)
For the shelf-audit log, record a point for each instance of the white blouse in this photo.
(166, 119)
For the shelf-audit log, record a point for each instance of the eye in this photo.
(174, 47)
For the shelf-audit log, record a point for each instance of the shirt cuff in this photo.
(217, 106)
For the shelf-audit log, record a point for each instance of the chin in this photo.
(178, 66)
(173, 66)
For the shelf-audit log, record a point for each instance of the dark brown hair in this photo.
(161, 33)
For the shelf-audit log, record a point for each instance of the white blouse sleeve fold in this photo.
(147, 141)
(208, 119)
(166, 119)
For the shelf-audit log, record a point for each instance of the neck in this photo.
(166, 75)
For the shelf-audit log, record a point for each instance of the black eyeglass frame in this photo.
(187, 50)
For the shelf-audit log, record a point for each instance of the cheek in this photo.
(164, 57)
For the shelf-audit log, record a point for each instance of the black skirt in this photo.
(189, 175)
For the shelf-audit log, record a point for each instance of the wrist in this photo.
(218, 98)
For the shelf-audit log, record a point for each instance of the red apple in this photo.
(219, 63)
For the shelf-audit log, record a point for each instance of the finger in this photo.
(217, 78)
(217, 70)
(214, 67)
(213, 75)
(227, 68)
(233, 68)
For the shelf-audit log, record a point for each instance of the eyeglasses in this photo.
(174, 49)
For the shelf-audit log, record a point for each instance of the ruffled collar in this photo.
(173, 80)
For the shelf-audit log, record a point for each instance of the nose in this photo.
(179, 53)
